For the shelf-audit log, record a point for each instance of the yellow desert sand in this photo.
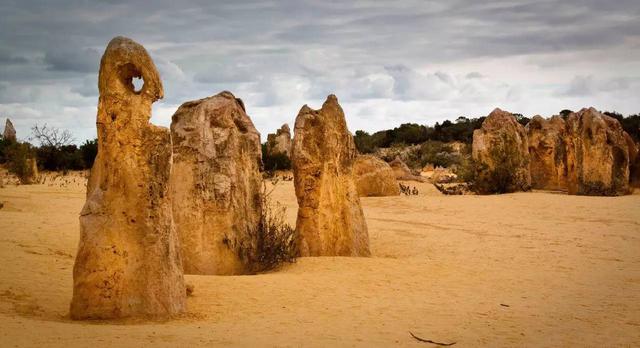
(524, 269)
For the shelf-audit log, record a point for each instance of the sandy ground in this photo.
(528, 269)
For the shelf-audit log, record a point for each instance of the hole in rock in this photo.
(138, 83)
(131, 77)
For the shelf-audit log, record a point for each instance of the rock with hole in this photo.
(128, 262)
(330, 219)
(216, 185)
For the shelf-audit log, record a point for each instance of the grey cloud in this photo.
(67, 60)
(6, 57)
(474, 75)
(277, 53)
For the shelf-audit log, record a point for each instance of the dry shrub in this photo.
(276, 239)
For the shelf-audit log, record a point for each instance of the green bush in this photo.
(19, 156)
(4, 147)
(276, 239)
(439, 154)
(89, 151)
(277, 161)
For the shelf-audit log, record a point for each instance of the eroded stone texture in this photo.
(216, 184)
(634, 161)
(33, 176)
(374, 177)
(280, 142)
(330, 219)
(128, 262)
(547, 151)
(597, 155)
(402, 171)
(9, 131)
(501, 153)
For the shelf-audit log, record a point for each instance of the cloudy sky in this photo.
(388, 62)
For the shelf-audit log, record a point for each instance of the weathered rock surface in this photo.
(597, 155)
(403, 172)
(9, 131)
(216, 184)
(634, 161)
(330, 219)
(33, 176)
(128, 262)
(280, 142)
(374, 177)
(547, 151)
(501, 152)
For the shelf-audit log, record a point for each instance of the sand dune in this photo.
(527, 269)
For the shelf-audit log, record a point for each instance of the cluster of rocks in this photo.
(161, 203)
(279, 142)
(587, 154)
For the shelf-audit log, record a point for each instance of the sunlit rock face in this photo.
(216, 185)
(547, 151)
(128, 262)
(634, 161)
(597, 155)
(330, 219)
(374, 177)
(280, 141)
(501, 153)
(9, 132)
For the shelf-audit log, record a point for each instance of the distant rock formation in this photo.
(374, 177)
(9, 131)
(597, 155)
(634, 161)
(330, 219)
(280, 142)
(501, 152)
(33, 176)
(216, 185)
(547, 151)
(402, 171)
(128, 262)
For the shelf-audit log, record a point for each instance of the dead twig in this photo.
(430, 341)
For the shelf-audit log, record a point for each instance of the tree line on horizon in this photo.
(56, 151)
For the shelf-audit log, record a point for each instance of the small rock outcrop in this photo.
(330, 219)
(216, 184)
(634, 161)
(9, 131)
(128, 262)
(597, 155)
(403, 172)
(547, 151)
(280, 142)
(501, 153)
(33, 176)
(374, 177)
